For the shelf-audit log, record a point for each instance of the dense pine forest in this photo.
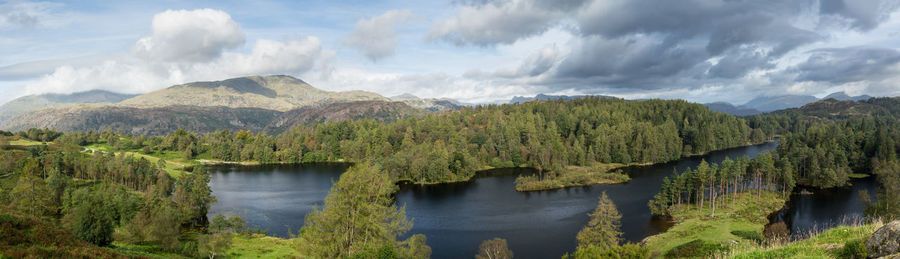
(451, 146)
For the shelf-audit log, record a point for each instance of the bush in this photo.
(854, 249)
(750, 235)
(696, 248)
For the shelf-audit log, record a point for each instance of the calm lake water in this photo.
(457, 217)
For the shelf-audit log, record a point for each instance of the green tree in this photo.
(193, 196)
(604, 228)
(494, 249)
(92, 219)
(211, 245)
(34, 197)
(358, 214)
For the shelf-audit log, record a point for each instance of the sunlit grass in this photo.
(27, 142)
(828, 244)
(748, 213)
(262, 246)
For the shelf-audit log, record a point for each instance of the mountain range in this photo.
(258, 103)
(765, 104)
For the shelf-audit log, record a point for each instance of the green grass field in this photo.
(749, 213)
(26, 142)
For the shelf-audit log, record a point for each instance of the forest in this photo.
(452, 146)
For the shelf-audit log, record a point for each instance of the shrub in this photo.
(854, 249)
(696, 248)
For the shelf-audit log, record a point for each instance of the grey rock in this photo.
(885, 242)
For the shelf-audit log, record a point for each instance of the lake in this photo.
(457, 217)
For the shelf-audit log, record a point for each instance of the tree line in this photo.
(717, 185)
(451, 146)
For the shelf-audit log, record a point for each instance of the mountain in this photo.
(773, 103)
(834, 108)
(731, 109)
(151, 121)
(428, 104)
(841, 96)
(544, 97)
(245, 103)
(163, 120)
(280, 93)
(36, 102)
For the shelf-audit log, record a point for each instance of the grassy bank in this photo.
(839, 242)
(174, 166)
(573, 176)
(733, 227)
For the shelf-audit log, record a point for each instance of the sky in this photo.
(475, 51)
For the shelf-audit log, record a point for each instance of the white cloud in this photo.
(185, 46)
(376, 37)
(499, 22)
(27, 15)
(195, 36)
(278, 57)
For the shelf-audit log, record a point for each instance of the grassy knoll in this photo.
(838, 242)
(697, 234)
(573, 176)
(174, 165)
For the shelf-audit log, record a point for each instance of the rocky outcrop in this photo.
(885, 242)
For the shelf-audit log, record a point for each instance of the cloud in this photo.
(501, 22)
(274, 57)
(376, 37)
(848, 65)
(193, 36)
(185, 46)
(860, 14)
(27, 15)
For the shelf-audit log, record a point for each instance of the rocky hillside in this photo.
(280, 93)
(256, 103)
(832, 108)
(36, 102)
(428, 104)
(163, 120)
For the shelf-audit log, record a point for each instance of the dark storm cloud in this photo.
(739, 63)
(746, 35)
(630, 61)
(846, 65)
(860, 14)
(652, 44)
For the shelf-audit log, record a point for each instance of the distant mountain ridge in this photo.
(257, 103)
(764, 104)
(428, 104)
(545, 97)
(279, 92)
(36, 102)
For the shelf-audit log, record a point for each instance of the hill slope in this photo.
(163, 120)
(30, 103)
(280, 93)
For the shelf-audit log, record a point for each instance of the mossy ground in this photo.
(748, 213)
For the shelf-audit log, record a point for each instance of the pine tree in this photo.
(604, 228)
